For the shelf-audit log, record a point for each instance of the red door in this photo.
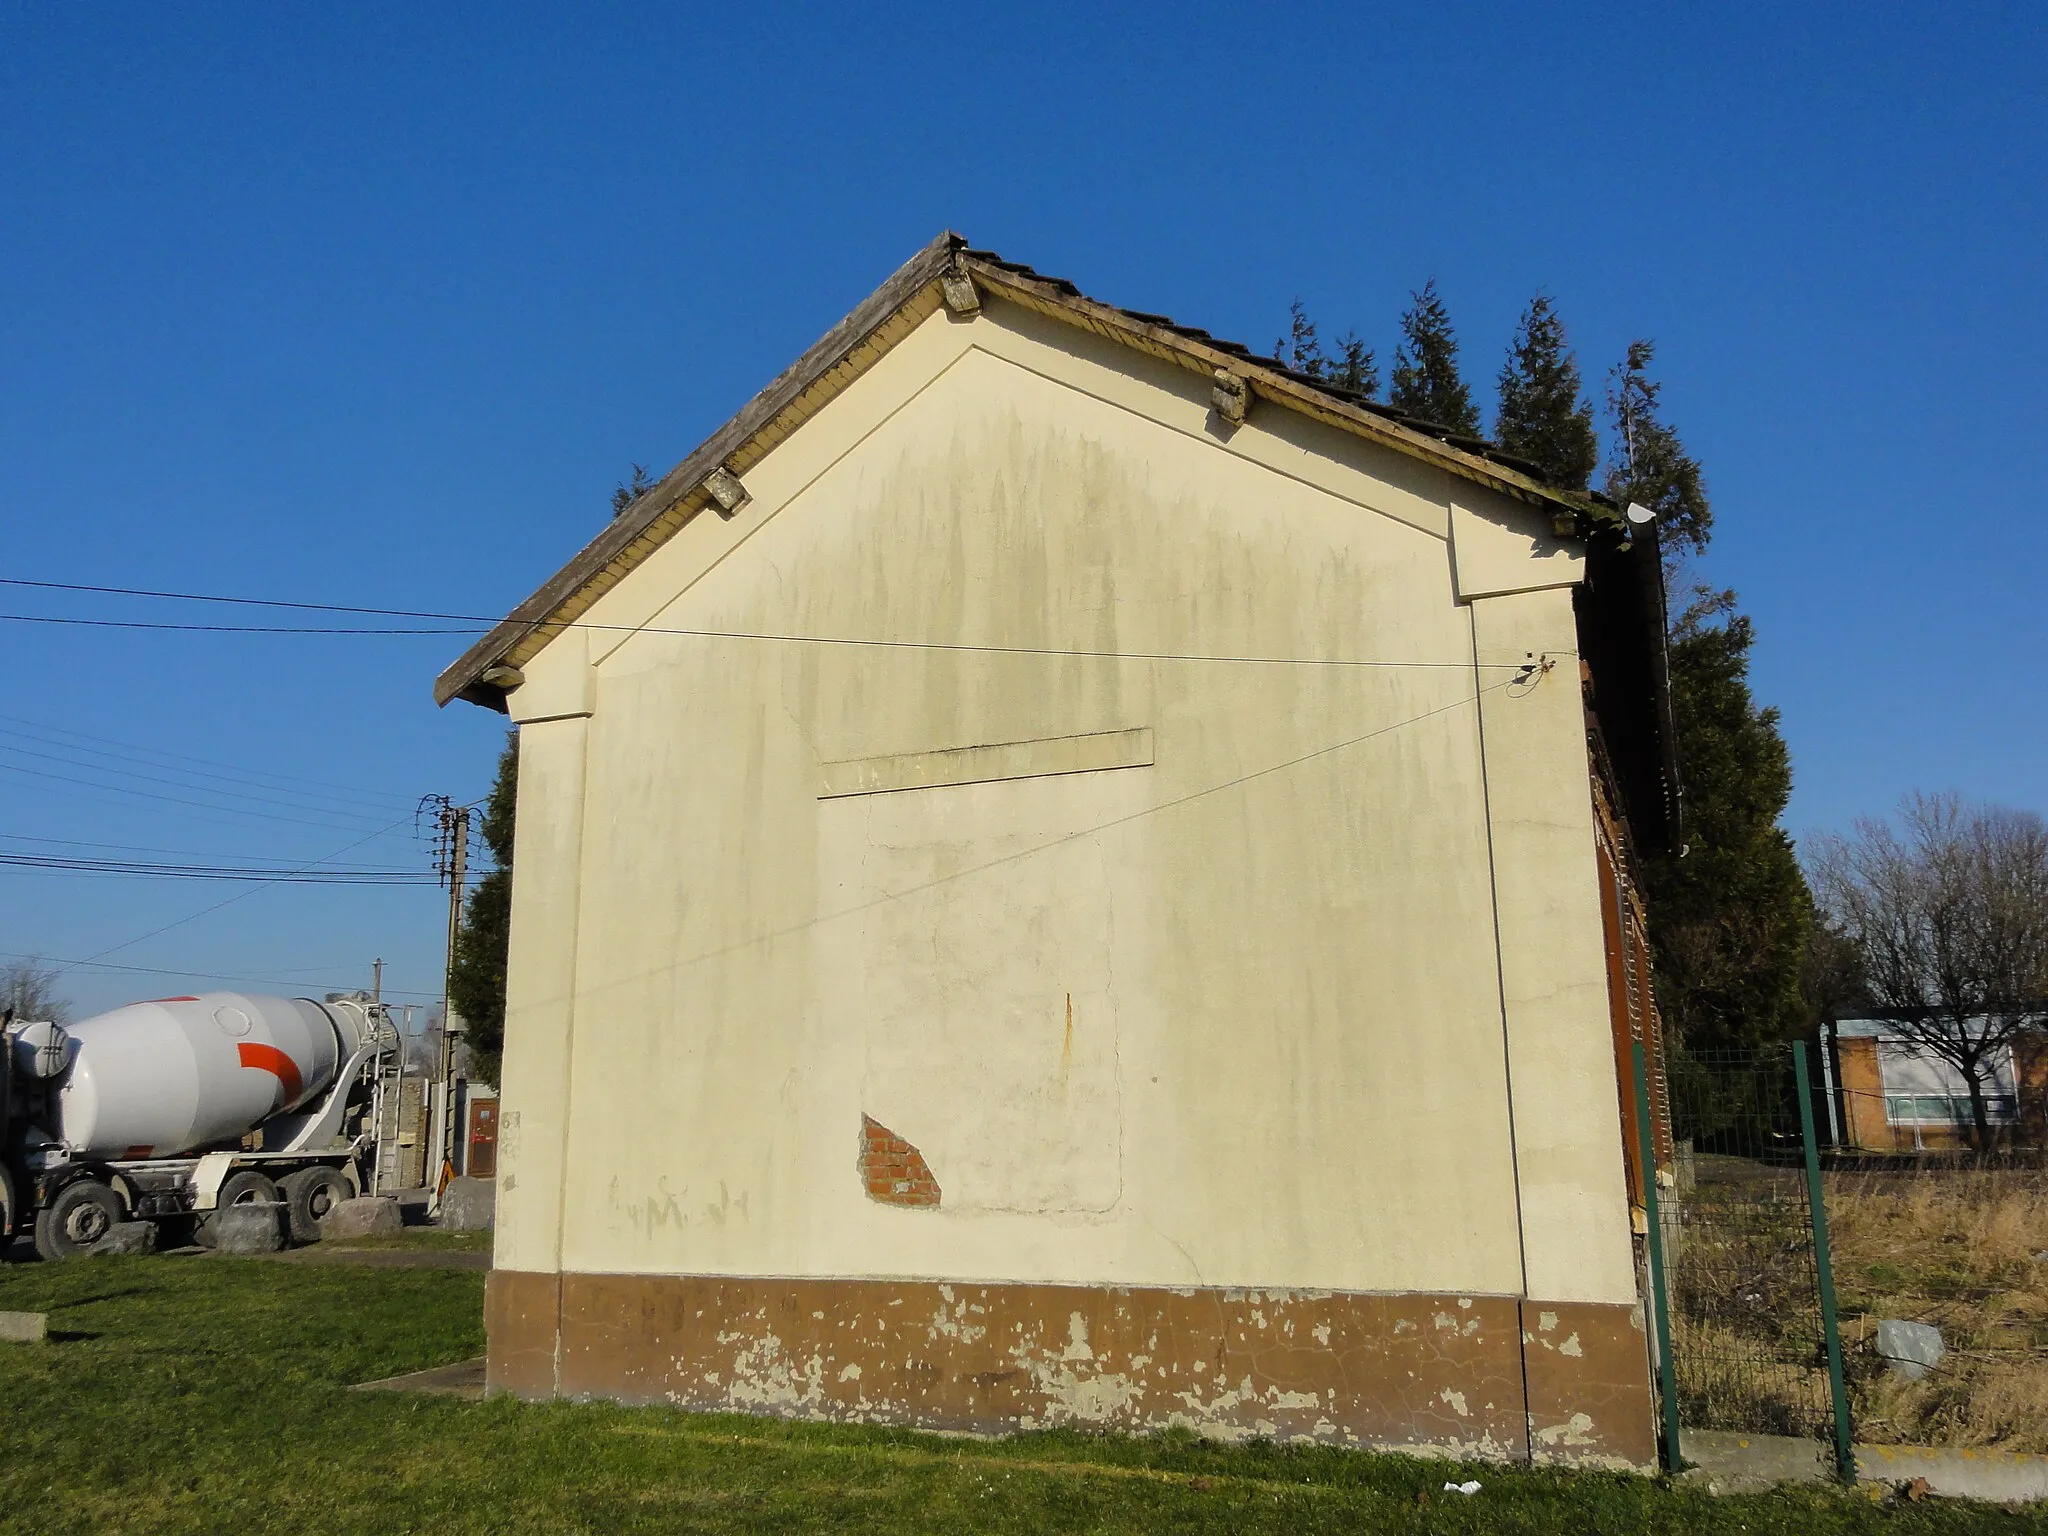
(483, 1138)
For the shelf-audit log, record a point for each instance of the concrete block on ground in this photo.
(128, 1237)
(469, 1205)
(2006, 1477)
(1729, 1462)
(369, 1216)
(1910, 1350)
(245, 1229)
(24, 1327)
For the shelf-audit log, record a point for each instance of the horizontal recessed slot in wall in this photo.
(980, 765)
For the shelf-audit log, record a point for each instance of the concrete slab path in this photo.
(463, 1379)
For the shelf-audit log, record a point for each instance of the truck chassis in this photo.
(77, 1204)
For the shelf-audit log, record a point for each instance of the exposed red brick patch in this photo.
(892, 1170)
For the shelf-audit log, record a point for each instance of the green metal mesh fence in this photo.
(1748, 1337)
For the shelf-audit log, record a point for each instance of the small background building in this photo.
(1893, 1093)
(1068, 875)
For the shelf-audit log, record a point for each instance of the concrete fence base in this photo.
(1733, 1463)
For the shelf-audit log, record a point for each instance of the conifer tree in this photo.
(1426, 381)
(1299, 349)
(1355, 368)
(1649, 464)
(1730, 918)
(476, 971)
(1543, 416)
(626, 492)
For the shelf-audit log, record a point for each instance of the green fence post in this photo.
(1824, 1272)
(1660, 1308)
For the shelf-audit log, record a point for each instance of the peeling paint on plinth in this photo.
(1586, 1366)
(1337, 1368)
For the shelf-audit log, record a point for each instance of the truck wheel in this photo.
(8, 1209)
(245, 1188)
(82, 1214)
(309, 1195)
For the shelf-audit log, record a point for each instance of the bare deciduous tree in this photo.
(28, 989)
(1948, 912)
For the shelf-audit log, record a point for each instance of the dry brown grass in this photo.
(1954, 1248)
(1746, 1338)
(1727, 1380)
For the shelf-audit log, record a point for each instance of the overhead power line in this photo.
(220, 815)
(288, 983)
(238, 797)
(224, 629)
(250, 859)
(206, 805)
(60, 864)
(384, 802)
(143, 753)
(483, 623)
(242, 895)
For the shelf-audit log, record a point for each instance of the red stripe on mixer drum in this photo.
(268, 1058)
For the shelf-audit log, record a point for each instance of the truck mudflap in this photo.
(207, 1178)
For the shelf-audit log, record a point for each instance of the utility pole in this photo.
(451, 860)
(377, 983)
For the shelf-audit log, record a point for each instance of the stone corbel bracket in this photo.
(1231, 395)
(963, 300)
(725, 491)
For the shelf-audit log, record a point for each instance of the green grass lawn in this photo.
(423, 1239)
(209, 1395)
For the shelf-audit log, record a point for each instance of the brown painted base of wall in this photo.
(1483, 1376)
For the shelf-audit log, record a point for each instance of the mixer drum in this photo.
(185, 1073)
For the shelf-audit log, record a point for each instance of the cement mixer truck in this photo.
(169, 1111)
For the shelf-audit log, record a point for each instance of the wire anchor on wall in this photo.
(1529, 673)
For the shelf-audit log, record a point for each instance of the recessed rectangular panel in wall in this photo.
(982, 979)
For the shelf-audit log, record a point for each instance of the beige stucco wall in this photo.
(1235, 1015)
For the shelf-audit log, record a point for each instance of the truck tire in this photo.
(83, 1212)
(9, 1211)
(309, 1195)
(245, 1188)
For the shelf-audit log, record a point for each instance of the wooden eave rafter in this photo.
(839, 357)
(848, 350)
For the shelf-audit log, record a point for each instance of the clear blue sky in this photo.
(375, 303)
